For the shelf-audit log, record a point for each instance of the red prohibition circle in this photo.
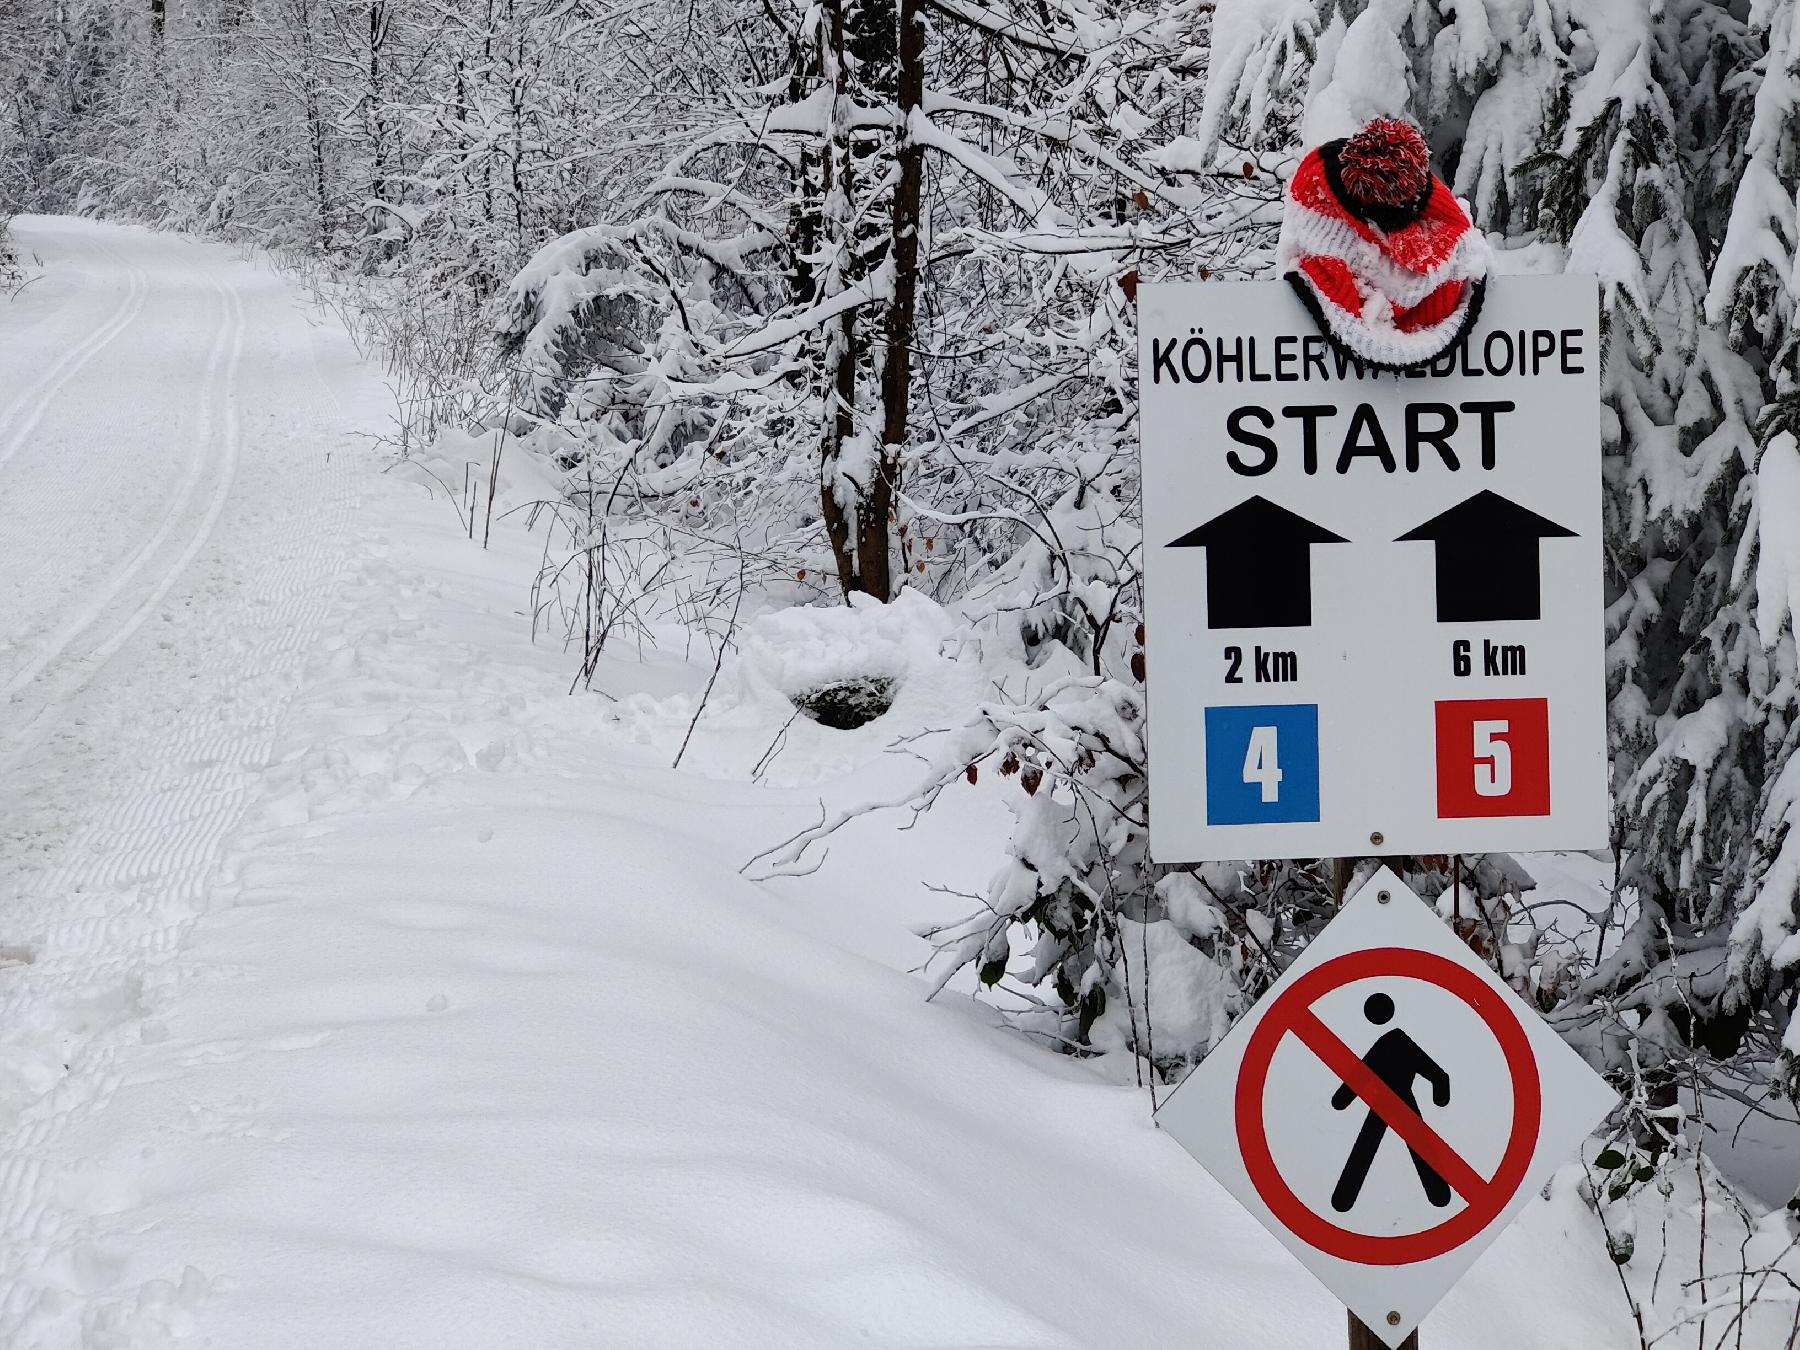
(1296, 1002)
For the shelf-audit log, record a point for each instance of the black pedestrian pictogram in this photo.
(1396, 1059)
(1258, 565)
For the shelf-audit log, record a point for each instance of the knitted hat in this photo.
(1384, 257)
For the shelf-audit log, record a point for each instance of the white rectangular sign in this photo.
(1373, 601)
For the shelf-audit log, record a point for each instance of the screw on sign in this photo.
(1387, 1108)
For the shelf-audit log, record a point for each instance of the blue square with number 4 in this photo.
(1262, 764)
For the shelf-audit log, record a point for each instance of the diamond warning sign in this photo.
(1387, 1108)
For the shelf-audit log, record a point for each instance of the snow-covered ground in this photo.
(361, 988)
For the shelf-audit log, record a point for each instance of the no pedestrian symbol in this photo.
(1382, 1081)
(1387, 1108)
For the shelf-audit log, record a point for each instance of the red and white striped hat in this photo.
(1383, 255)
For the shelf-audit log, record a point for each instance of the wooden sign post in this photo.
(1361, 1338)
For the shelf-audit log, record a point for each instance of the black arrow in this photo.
(1487, 559)
(1258, 565)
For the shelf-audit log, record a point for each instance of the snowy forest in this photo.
(802, 335)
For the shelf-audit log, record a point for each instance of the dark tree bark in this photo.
(316, 128)
(896, 374)
(837, 519)
(515, 102)
(803, 215)
(841, 348)
(378, 31)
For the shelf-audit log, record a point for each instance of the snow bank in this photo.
(501, 1056)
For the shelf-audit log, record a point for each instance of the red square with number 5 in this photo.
(1493, 757)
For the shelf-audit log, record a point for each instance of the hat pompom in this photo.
(1386, 163)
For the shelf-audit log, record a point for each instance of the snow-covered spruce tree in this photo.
(1755, 283)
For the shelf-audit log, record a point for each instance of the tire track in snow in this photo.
(246, 595)
(23, 414)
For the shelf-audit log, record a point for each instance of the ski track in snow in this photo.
(214, 449)
(17, 421)
(141, 709)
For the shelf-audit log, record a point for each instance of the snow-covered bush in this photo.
(12, 274)
(872, 327)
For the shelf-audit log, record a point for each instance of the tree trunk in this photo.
(1361, 1338)
(515, 102)
(803, 216)
(315, 124)
(487, 160)
(842, 393)
(839, 383)
(896, 374)
(378, 30)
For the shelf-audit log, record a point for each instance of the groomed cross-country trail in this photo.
(361, 988)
